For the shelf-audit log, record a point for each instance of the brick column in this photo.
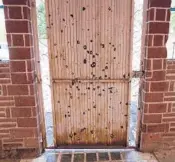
(22, 125)
(154, 83)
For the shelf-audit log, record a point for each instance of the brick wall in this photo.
(19, 108)
(158, 82)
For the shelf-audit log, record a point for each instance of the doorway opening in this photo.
(45, 71)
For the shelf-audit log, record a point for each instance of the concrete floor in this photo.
(93, 156)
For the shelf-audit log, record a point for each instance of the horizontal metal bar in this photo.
(89, 80)
(172, 9)
(1, 6)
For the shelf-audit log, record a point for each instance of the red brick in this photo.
(156, 128)
(153, 97)
(23, 132)
(160, 3)
(4, 75)
(21, 112)
(20, 53)
(28, 40)
(6, 12)
(26, 13)
(17, 90)
(12, 140)
(169, 115)
(4, 98)
(172, 124)
(169, 99)
(18, 40)
(2, 114)
(172, 129)
(17, 66)
(7, 103)
(158, 40)
(158, 27)
(170, 94)
(150, 14)
(158, 75)
(12, 146)
(8, 113)
(15, 12)
(168, 119)
(21, 78)
(4, 70)
(12, 2)
(152, 118)
(25, 101)
(30, 65)
(5, 120)
(27, 122)
(159, 52)
(3, 64)
(14, 26)
(7, 125)
(31, 142)
(4, 80)
(160, 14)
(157, 64)
(159, 86)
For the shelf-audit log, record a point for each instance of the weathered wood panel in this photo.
(89, 40)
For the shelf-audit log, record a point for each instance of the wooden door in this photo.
(90, 49)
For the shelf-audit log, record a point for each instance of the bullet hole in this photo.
(103, 69)
(114, 58)
(91, 52)
(54, 45)
(106, 76)
(92, 132)
(94, 106)
(98, 87)
(102, 45)
(126, 115)
(49, 15)
(63, 19)
(110, 91)
(83, 113)
(66, 66)
(127, 103)
(65, 115)
(69, 106)
(99, 77)
(110, 43)
(71, 97)
(112, 136)
(106, 67)
(83, 129)
(70, 135)
(72, 15)
(113, 45)
(97, 54)
(85, 47)
(88, 52)
(120, 103)
(99, 114)
(103, 90)
(110, 88)
(51, 23)
(72, 73)
(61, 31)
(93, 56)
(121, 127)
(56, 56)
(109, 8)
(93, 64)
(88, 109)
(107, 63)
(91, 40)
(128, 75)
(75, 134)
(88, 88)
(124, 76)
(93, 75)
(78, 42)
(93, 89)
(99, 94)
(87, 29)
(83, 8)
(84, 61)
(114, 49)
(106, 128)
(72, 23)
(58, 101)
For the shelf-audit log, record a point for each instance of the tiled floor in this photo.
(93, 156)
